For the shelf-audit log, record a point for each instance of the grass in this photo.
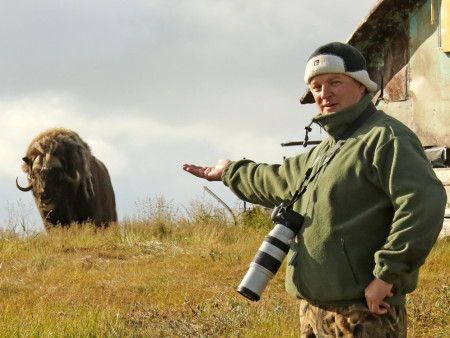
(429, 305)
(162, 274)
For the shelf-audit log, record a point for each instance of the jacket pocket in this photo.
(324, 273)
(345, 252)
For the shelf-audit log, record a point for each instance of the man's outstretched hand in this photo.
(208, 173)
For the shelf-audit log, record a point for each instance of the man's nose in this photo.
(326, 91)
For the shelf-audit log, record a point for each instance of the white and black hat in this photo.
(337, 57)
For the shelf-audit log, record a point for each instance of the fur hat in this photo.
(337, 57)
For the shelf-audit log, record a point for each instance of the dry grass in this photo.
(429, 305)
(161, 276)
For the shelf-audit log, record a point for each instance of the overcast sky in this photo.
(152, 84)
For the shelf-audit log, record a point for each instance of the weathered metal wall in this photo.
(425, 80)
(400, 40)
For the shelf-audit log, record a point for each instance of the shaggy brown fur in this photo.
(69, 184)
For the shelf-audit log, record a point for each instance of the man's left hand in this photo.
(375, 294)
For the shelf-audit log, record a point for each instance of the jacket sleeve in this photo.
(264, 184)
(418, 199)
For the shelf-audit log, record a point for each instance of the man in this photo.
(372, 213)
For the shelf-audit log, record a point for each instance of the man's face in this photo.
(334, 92)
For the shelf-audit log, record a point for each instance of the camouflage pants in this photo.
(351, 321)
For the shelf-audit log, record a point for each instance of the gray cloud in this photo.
(153, 84)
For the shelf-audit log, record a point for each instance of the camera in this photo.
(271, 253)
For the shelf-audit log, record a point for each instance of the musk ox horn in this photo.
(23, 189)
(27, 161)
(72, 180)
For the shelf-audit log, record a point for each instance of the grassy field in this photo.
(163, 274)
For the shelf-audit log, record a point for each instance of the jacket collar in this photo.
(335, 124)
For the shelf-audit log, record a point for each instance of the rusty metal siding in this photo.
(429, 82)
(412, 73)
(374, 37)
(395, 69)
(385, 21)
(401, 42)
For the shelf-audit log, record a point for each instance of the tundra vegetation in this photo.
(166, 272)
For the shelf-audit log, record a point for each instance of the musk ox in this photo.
(68, 183)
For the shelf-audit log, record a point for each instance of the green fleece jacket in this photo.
(375, 210)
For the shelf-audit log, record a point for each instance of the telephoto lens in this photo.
(271, 253)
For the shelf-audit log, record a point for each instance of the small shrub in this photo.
(19, 217)
(204, 212)
(257, 218)
(156, 211)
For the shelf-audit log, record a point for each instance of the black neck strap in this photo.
(370, 109)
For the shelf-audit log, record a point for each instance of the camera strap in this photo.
(370, 109)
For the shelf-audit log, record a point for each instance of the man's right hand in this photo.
(208, 173)
(376, 292)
